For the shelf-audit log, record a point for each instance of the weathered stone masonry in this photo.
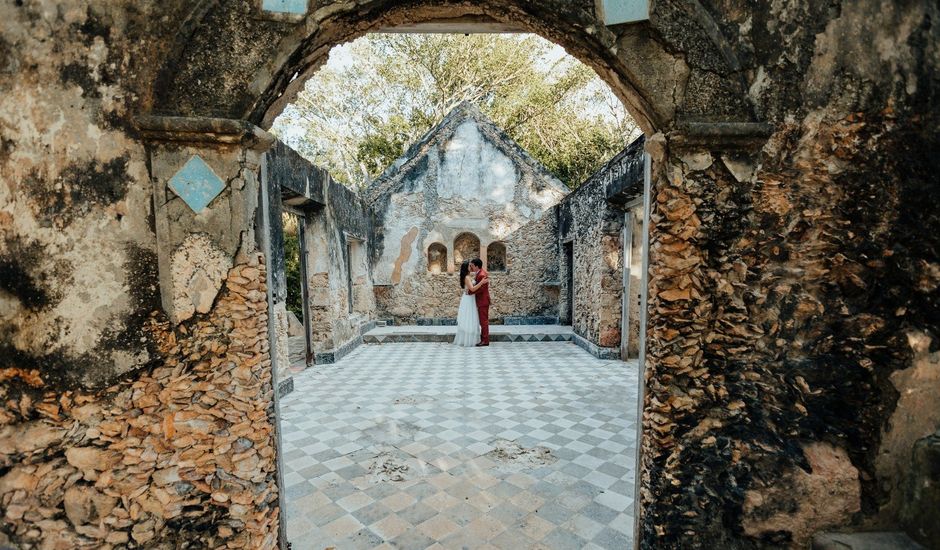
(463, 188)
(793, 288)
(184, 449)
(183, 454)
(590, 222)
(335, 219)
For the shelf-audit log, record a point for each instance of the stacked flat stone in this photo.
(184, 453)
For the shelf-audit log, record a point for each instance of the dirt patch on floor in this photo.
(511, 456)
(388, 467)
(412, 400)
(390, 431)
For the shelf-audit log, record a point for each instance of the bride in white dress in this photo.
(468, 318)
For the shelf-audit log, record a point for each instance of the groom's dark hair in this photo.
(477, 262)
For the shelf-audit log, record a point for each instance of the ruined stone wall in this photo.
(593, 226)
(792, 289)
(598, 256)
(320, 291)
(118, 428)
(280, 345)
(526, 288)
(529, 285)
(77, 248)
(343, 220)
(335, 218)
(465, 176)
(635, 283)
(182, 453)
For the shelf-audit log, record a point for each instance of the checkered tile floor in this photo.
(427, 445)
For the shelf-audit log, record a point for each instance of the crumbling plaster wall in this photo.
(593, 226)
(527, 287)
(915, 417)
(118, 428)
(466, 175)
(635, 283)
(345, 219)
(182, 454)
(183, 447)
(77, 257)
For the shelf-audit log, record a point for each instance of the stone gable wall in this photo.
(525, 288)
(464, 177)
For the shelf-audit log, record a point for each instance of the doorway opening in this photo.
(398, 441)
(568, 248)
(633, 279)
(299, 331)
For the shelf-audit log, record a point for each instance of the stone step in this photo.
(865, 541)
(444, 337)
(446, 333)
(498, 333)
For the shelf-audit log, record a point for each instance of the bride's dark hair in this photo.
(464, 271)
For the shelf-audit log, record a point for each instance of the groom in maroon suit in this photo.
(482, 296)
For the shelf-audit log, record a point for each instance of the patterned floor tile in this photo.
(425, 445)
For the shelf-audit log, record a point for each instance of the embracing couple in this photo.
(473, 316)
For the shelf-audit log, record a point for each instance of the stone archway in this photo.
(275, 55)
(665, 92)
(233, 63)
(229, 68)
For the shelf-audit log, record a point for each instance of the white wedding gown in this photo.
(468, 322)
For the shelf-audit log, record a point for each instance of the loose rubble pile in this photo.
(387, 467)
(183, 456)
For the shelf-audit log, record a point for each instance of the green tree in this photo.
(292, 270)
(357, 116)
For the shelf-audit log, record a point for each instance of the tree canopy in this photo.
(364, 108)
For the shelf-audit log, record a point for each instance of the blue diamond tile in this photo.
(298, 7)
(196, 184)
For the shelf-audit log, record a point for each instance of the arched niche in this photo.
(466, 247)
(496, 257)
(437, 258)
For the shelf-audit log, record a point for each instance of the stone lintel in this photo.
(203, 131)
(720, 135)
(624, 174)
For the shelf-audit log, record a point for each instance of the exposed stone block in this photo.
(920, 511)
(806, 501)
(199, 268)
